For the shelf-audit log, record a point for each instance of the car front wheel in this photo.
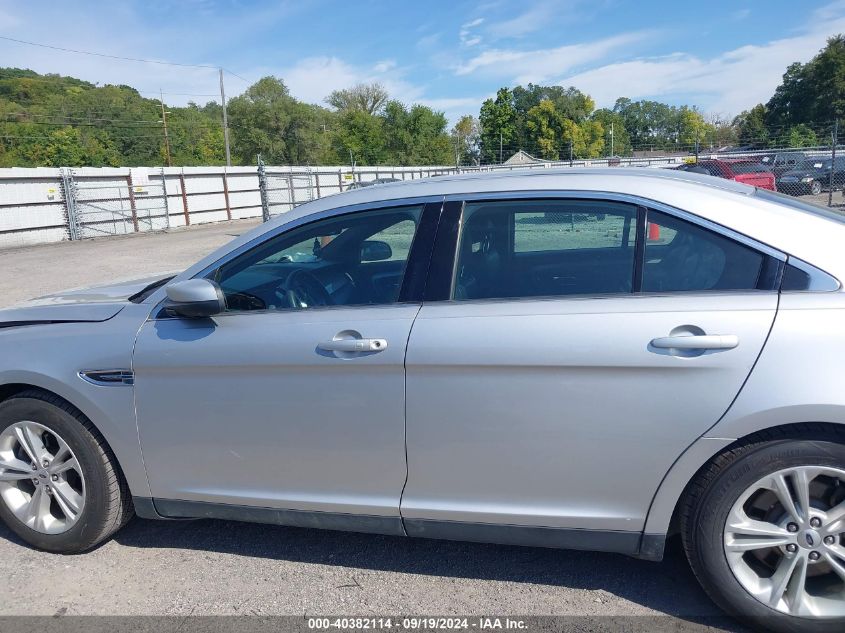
(815, 187)
(763, 527)
(60, 487)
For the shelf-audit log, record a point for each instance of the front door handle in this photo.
(354, 345)
(697, 342)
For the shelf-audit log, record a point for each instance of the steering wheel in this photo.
(303, 290)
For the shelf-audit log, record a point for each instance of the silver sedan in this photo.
(591, 359)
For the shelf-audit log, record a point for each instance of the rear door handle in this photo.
(700, 342)
(354, 345)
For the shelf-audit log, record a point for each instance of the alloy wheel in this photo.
(41, 481)
(783, 541)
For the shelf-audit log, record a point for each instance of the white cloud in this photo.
(384, 66)
(733, 81)
(466, 35)
(529, 21)
(541, 65)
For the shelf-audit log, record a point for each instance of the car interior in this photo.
(576, 248)
(351, 260)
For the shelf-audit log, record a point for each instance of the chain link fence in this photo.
(113, 204)
(47, 205)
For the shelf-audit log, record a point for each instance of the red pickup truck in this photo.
(742, 170)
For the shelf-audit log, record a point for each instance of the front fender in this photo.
(50, 357)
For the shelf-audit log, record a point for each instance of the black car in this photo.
(781, 162)
(813, 176)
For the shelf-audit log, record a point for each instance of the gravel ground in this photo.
(38, 270)
(217, 567)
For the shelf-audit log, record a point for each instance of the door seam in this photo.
(405, 410)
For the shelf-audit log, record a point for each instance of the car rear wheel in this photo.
(764, 530)
(815, 187)
(60, 488)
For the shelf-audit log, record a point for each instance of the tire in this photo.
(712, 500)
(815, 188)
(106, 503)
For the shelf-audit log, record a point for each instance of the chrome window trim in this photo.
(608, 296)
(612, 196)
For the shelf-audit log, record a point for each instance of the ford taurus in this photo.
(591, 359)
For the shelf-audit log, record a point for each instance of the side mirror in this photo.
(195, 298)
(375, 251)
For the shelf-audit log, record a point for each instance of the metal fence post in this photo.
(164, 195)
(833, 137)
(69, 200)
(226, 195)
(262, 190)
(184, 198)
(291, 191)
(132, 206)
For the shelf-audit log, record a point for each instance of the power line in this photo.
(236, 75)
(128, 59)
(117, 124)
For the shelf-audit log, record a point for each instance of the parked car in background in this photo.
(744, 170)
(781, 162)
(575, 358)
(813, 176)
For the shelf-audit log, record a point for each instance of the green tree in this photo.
(811, 93)
(498, 126)
(751, 126)
(621, 138)
(466, 137)
(361, 137)
(267, 120)
(544, 125)
(801, 135)
(369, 98)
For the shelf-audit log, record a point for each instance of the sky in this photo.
(723, 57)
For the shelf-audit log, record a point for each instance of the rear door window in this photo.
(540, 248)
(683, 257)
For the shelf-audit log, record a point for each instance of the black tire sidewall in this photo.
(85, 532)
(710, 517)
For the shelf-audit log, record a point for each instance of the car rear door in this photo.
(575, 352)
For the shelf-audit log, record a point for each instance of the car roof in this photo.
(812, 238)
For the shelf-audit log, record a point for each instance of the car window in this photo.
(709, 168)
(681, 256)
(748, 168)
(353, 259)
(545, 248)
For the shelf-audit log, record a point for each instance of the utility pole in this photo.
(570, 153)
(500, 148)
(835, 138)
(225, 121)
(164, 114)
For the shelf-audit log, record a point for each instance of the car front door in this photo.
(292, 399)
(579, 347)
